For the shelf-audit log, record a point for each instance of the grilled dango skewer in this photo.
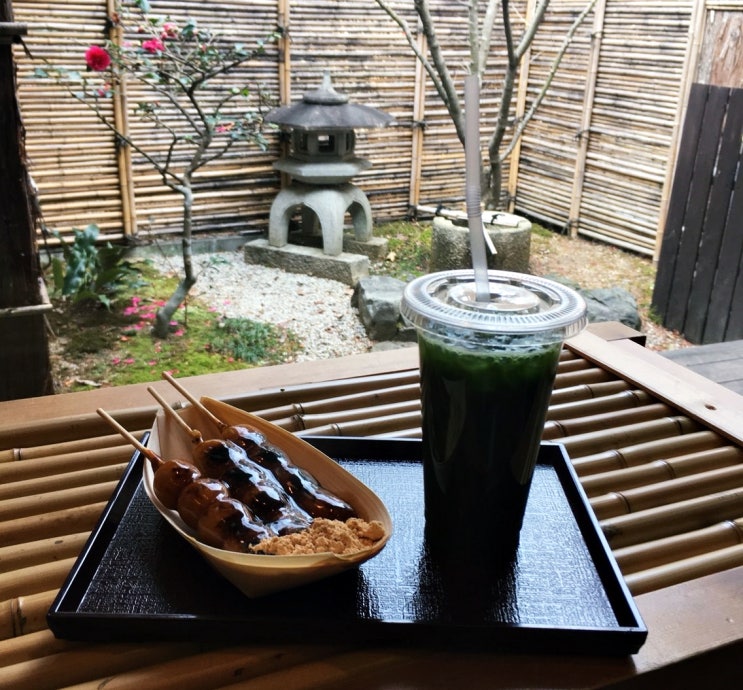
(246, 480)
(203, 504)
(303, 488)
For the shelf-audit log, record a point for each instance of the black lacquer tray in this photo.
(136, 579)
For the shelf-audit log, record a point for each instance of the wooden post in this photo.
(696, 32)
(285, 70)
(513, 163)
(285, 55)
(419, 114)
(121, 122)
(584, 135)
(25, 369)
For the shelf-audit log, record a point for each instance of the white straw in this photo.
(473, 163)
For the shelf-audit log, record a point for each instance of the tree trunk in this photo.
(24, 346)
(161, 325)
(492, 184)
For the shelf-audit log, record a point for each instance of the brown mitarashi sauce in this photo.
(296, 482)
(238, 492)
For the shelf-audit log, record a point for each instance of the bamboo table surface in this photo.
(658, 450)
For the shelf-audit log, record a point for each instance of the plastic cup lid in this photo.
(519, 304)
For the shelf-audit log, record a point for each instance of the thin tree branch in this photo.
(451, 97)
(487, 32)
(524, 121)
(531, 29)
(413, 43)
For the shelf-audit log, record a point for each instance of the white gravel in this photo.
(318, 311)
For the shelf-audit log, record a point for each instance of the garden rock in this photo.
(606, 304)
(612, 304)
(378, 300)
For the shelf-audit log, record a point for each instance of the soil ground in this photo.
(597, 265)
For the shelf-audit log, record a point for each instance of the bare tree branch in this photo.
(438, 71)
(524, 121)
(480, 41)
(487, 33)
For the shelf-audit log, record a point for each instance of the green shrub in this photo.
(251, 341)
(90, 272)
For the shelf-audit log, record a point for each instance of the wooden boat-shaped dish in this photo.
(253, 574)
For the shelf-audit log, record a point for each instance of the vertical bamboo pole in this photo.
(121, 123)
(691, 60)
(419, 114)
(584, 135)
(285, 57)
(285, 69)
(513, 165)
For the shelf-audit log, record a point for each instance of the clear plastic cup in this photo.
(487, 371)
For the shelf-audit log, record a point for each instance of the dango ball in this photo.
(196, 498)
(171, 478)
(227, 524)
(215, 457)
(248, 439)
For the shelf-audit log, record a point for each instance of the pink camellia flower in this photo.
(169, 30)
(97, 58)
(153, 46)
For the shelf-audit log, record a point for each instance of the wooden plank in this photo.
(679, 195)
(718, 220)
(725, 320)
(701, 178)
(735, 323)
(701, 399)
(721, 362)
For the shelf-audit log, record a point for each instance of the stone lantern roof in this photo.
(326, 109)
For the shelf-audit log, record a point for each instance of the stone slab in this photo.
(345, 267)
(376, 248)
(199, 245)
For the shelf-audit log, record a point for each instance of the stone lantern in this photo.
(321, 163)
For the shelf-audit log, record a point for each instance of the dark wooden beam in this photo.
(25, 369)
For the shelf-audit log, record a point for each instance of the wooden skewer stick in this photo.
(195, 434)
(196, 403)
(149, 454)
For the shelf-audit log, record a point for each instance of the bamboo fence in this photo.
(597, 160)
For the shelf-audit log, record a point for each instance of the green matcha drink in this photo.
(487, 370)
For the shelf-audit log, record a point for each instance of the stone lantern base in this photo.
(329, 205)
(348, 267)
